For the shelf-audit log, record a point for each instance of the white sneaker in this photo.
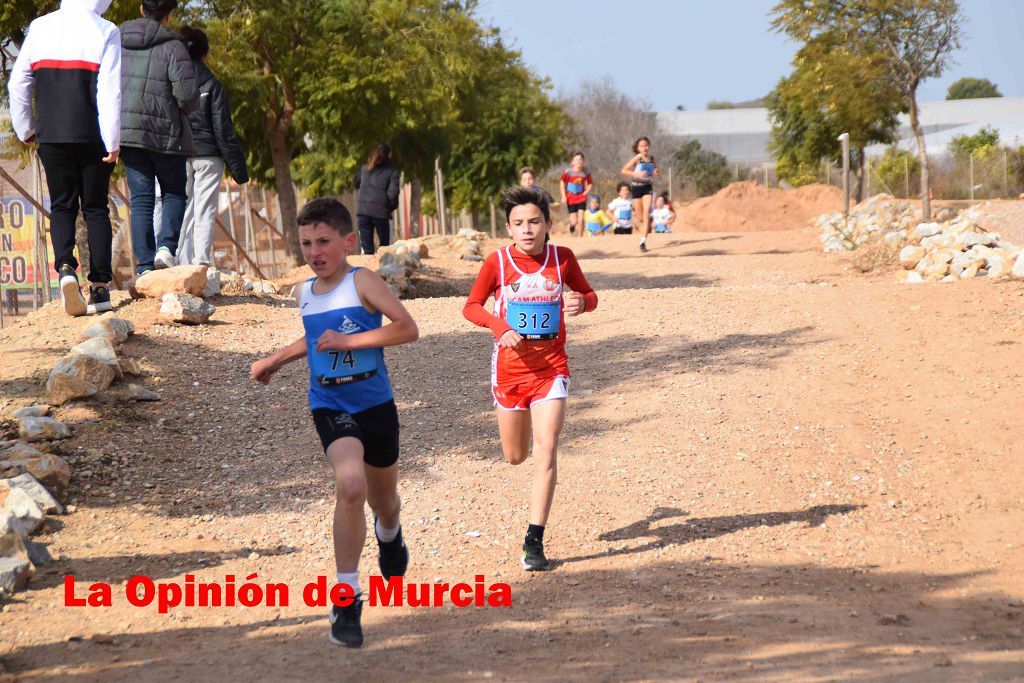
(71, 292)
(163, 258)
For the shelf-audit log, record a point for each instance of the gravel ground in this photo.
(774, 467)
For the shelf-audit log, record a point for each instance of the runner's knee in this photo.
(351, 489)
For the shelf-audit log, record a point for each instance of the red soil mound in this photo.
(747, 206)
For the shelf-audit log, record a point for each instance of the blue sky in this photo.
(691, 51)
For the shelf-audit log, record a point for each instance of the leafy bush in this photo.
(706, 169)
(982, 143)
(796, 173)
(899, 170)
(970, 88)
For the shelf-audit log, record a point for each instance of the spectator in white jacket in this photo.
(69, 67)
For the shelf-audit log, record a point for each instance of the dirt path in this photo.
(774, 468)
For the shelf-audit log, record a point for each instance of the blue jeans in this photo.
(143, 168)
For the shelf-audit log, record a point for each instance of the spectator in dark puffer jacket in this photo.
(216, 146)
(158, 85)
(378, 185)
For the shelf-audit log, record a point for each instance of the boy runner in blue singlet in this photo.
(350, 395)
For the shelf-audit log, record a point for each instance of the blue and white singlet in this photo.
(350, 381)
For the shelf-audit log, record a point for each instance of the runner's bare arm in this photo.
(376, 296)
(628, 171)
(263, 369)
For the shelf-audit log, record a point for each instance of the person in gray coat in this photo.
(158, 86)
(378, 185)
(216, 147)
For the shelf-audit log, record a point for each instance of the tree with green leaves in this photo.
(916, 37)
(831, 91)
(705, 169)
(506, 120)
(321, 81)
(984, 142)
(972, 88)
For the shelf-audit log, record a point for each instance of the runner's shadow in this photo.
(704, 527)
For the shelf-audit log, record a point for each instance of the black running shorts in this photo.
(376, 428)
(573, 208)
(623, 231)
(639, 190)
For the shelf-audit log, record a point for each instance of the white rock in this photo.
(910, 256)
(926, 229)
(77, 376)
(995, 264)
(14, 574)
(185, 308)
(109, 327)
(33, 429)
(910, 277)
(212, 287)
(140, 393)
(1018, 267)
(35, 490)
(100, 348)
(389, 268)
(969, 239)
(46, 469)
(32, 411)
(19, 514)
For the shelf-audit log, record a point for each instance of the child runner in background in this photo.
(621, 209)
(641, 169)
(350, 395)
(530, 368)
(595, 221)
(668, 202)
(527, 178)
(576, 183)
(662, 216)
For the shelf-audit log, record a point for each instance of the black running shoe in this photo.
(533, 556)
(346, 628)
(99, 299)
(71, 292)
(394, 555)
(643, 247)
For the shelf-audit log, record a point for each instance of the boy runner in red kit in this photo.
(529, 367)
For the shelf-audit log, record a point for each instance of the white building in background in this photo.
(743, 135)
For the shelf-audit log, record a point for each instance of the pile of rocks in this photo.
(182, 290)
(399, 260)
(31, 480)
(952, 247)
(94, 364)
(466, 245)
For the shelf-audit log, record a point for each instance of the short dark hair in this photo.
(521, 196)
(196, 41)
(158, 9)
(618, 188)
(326, 210)
(577, 153)
(527, 169)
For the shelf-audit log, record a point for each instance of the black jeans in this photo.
(76, 176)
(367, 226)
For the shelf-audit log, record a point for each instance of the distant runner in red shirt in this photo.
(576, 182)
(529, 367)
